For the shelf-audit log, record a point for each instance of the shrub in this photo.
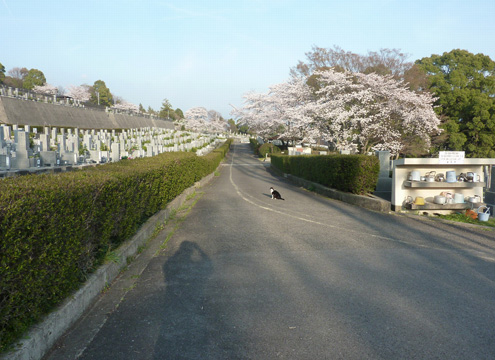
(56, 229)
(268, 148)
(254, 145)
(357, 174)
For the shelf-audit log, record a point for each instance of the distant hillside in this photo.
(26, 112)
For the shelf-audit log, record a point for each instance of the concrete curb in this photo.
(448, 222)
(370, 202)
(41, 337)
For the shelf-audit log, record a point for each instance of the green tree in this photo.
(100, 94)
(141, 108)
(151, 111)
(243, 129)
(15, 77)
(380, 69)
(34, 78)
(179, 113)
(465, 86)
(2, 73)
(232, 125)
(167, 112)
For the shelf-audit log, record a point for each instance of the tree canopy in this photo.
(15, 77)
(201, 120)
(2, 73)
(465, 86)
(34, 78)
(166, 111)
(383, 62)
(101, 94)
(81, 93)
(351, 110)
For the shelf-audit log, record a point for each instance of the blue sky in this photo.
(209, 53)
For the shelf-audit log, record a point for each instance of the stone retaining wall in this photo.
(15, 111)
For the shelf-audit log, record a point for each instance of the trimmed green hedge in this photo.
(356, 174)
(57, 229)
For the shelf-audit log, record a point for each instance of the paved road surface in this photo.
(247, 277)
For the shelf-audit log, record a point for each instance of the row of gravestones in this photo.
(63, 100)
(28, 95)
(23, 147)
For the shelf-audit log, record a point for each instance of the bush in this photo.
(268, 148)
(357, 174)
(56, 229)
(254, 145)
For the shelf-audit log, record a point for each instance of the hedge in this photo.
(56, 229)
(356, 174)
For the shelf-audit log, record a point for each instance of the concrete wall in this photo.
(25, 112)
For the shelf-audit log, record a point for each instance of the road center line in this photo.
(242, 196)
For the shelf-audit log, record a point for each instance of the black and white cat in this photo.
(276, 194)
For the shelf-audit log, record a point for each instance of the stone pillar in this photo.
(384, 184)
(490, 192)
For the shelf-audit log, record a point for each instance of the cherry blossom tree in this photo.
(126, 106)
(45, 89)
(80, 93)
(374, 112)
(216, 123)
(285, 110)
(196, 119)
(367, 111)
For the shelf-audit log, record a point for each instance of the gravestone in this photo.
(53, 137)
(7, 132)
(61, 140)
(2, 138)
(21, 150)
(115, 151)
(45, 142)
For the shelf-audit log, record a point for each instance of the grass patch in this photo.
(112, 256)
(459, 217)
(191, 196)
(178, 216)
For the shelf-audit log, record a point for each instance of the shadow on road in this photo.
(186, 274)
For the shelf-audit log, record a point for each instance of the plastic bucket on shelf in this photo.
(451, 177)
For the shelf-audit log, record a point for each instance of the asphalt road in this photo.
(248, 277)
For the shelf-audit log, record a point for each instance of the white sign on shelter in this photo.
(451, 157)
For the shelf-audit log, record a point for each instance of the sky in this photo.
(210, 53)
